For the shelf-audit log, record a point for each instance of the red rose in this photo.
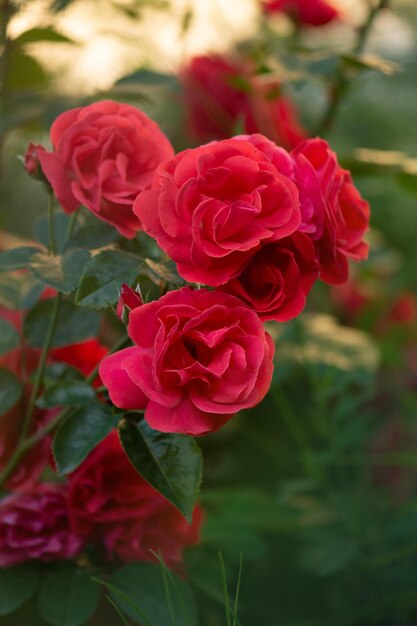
(212, 207)
(333, 212)
(221, 95)
(278, 278)
(103, 155)
(200, 357)
(110, 503)
(34, 525)
(309, 12)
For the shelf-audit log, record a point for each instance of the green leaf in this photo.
(103, 277)
(62, 272)
(74, 324)
(67, 393)
(80, 434)
(68, 597)
(408, 182)
(9, 337)
(41, 230)
(40, 34)
(162, 271)
(17, 585)
(17, 258)
(10, 390)
(150, 78)
(93, 237)
(25, 73)
(18, 291)
(142, 584)
(171, 463)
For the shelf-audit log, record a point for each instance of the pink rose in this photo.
(212, 207)
(199, 357)
(221, 94)
(103, 155)
(34, 525)
(112, 505)
(308, 12)
(278, 278)
(333, 212)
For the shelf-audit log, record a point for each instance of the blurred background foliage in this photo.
(316, 488)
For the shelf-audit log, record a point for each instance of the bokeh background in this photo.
(317, 487)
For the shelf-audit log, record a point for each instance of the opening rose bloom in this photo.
(112, 505)
(222, 94)
(199, 358)
(277, 280)
(308, 12)
(35, 525)
(333, 212)
(102, 156)
(211, 208)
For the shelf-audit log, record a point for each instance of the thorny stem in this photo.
(341, 82)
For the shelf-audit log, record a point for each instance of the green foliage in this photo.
(74, 324)
(67, 597)
(93, 236)
(63, 272)
(61, 223)
(34, 35)
(16, 258)
(103, 277)
(81, 432)
(9, 337)
(172, 464)
(20, 291)
(66, 393)
(144, 596)
(17, 585)
(10, 390)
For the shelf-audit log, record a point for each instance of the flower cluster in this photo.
(251, 227)
(104, 503)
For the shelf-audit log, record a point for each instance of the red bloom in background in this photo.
(112, 505)
(34, 525)
(308, 12)
(200, 357)
(103, 155)
(333, 212)
(212, 207)
(221, 96)
(278, 278)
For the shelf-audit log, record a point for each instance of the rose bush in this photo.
(102, 156)
(212, 207)
(199, 358)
